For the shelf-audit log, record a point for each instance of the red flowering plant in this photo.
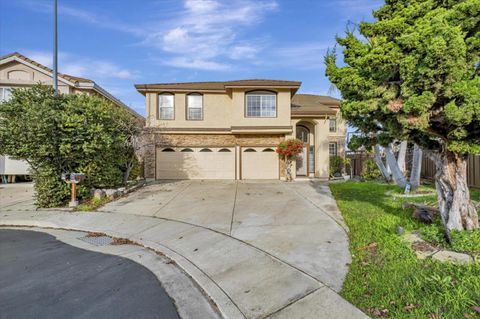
(290, 149)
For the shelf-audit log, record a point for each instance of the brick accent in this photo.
(152, 140)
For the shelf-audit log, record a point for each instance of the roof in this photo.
(310, 104)
(220, 86)
(81, 83)
(67, 77)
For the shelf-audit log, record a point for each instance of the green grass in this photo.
(92, 204)
(385, 274)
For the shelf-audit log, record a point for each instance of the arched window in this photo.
(168, 150)
(249, 150)
(261, 104)
(194, 106)
(187, 150)
(224, 150)
(303, 134)
(206, 150)
(166, 106)
(268, 150)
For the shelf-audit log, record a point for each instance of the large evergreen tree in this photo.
(413, 74)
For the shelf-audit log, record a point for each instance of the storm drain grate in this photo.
(97, 240)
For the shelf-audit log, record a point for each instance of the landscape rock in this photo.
(111, 193)
(99, 194)
(452, 256)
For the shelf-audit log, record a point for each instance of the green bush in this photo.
(336, 165)
(370, 170)
(67, 133)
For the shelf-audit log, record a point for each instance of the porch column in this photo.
(322, 158)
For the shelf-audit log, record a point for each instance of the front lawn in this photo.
(386, 279)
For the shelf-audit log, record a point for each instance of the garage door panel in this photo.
(259, 163)
(195, 164)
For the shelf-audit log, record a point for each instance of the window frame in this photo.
(330, 121)
(2, 95)
(336, 149)
(159, 107)
(187, 107)
(260, 93)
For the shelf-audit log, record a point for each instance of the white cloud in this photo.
(245, 51)
(81, 66)
(206, 33)
(199, 64)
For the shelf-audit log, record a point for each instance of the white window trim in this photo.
(260, 94)
(336, 148)
(162, 107)
(190, 107)
(2, 94)
(330, 126)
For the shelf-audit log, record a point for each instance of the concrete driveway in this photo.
(298, 222)
(16, 197)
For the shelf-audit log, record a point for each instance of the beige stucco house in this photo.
(18, 71)
(230, 130)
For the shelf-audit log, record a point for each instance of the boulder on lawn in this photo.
(111, 193)
(423, 213)
(99, 194)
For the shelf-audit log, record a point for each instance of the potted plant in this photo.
(289, 149)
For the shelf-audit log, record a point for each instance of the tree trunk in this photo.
(397, 174)
(402, 153)
(381, 166)
(288, 168)
(416, 167)
(456, 208)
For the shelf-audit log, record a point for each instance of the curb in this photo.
(224, 304)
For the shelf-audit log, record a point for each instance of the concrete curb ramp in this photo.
(242, 280)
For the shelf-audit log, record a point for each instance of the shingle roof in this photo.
(76, 80)
(64, 76)
(220, 85)
(310, 104)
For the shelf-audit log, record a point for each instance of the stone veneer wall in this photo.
(152, 140)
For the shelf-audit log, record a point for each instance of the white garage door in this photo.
(259, 163)
(196, 163)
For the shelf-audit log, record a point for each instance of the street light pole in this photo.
(55, 48)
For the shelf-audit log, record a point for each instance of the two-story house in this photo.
(18, 71)
(230, 130)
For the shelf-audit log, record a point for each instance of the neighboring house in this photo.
(18, 71)
(230, 130)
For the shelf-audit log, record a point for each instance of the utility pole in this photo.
(55, 48)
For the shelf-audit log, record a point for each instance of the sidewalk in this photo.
(244, 281)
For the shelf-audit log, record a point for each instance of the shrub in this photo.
(66, 133)
(289, 149)
(370, 170)
(336, 165)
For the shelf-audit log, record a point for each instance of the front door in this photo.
(302, 162)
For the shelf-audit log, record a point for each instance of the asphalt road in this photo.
(41, 277)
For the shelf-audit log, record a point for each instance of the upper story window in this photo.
(166, 106)
(261, 104)
(333, 125)
(194, 106)
(5, 94)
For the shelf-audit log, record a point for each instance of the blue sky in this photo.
(119, 43)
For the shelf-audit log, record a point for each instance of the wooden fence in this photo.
(473, 170)
(428, 167)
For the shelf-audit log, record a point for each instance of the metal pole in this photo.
(55, 48)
